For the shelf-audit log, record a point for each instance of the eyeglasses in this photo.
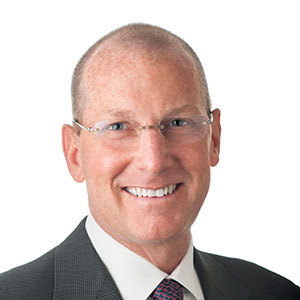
(179, 130)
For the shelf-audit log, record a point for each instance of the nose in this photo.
(152, 152)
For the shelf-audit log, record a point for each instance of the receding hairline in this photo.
(137, 35)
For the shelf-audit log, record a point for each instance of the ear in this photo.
(70, 142)
(215, 138)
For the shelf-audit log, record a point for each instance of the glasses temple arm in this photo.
(91, 129)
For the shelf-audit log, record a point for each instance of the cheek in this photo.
(196, 159)
(196, 163)
(102, 168)
(101, 164)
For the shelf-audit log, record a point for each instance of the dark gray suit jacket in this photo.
(74, 271)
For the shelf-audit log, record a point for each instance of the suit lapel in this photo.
(217, 283)
(79, 272)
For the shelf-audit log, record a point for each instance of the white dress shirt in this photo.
(132, 272)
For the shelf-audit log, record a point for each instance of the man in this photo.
(143, 138)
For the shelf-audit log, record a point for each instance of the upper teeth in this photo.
(141, 192)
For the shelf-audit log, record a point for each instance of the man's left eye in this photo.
(117, 126)
(179, 122)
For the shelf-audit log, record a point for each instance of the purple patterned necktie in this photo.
(168, 289)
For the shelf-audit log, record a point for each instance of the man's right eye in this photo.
(117, 126)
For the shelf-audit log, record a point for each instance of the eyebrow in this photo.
(187, 108)
(119, 113)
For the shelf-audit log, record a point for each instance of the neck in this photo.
(164, 255)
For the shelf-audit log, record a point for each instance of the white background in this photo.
(250, 51)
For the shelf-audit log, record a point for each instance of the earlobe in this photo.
(72, 153)
(215, 138)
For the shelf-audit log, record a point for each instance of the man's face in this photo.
(144, 89)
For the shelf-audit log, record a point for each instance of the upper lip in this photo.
(151, 187)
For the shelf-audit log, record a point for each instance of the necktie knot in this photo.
(168, 289)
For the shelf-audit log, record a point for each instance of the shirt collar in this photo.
(186, 275)
(131, 272)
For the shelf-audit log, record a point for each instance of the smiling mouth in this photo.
(161, 192)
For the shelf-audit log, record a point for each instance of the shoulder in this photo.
(255, 278)
(32, 281)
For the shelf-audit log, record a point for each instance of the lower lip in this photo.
(153, 198)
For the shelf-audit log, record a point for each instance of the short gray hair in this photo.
(137, 34)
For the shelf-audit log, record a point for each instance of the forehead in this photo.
(130, 77)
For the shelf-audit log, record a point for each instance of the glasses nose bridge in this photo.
(159, 127)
